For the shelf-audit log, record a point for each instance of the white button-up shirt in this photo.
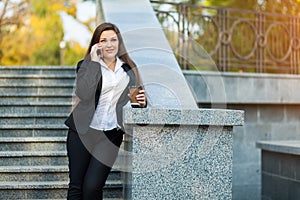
(113, 85)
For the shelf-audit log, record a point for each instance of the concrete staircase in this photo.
(34, 102)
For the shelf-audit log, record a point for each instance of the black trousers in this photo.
(91, 157)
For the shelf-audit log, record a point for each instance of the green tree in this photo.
(48, 31)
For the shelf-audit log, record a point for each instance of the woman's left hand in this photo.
(141, 98)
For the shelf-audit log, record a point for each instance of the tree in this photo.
(35, 35)
(35, 41)
(12, 16)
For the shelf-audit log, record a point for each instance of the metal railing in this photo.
(225, 39)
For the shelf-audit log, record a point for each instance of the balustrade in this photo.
(226, 39)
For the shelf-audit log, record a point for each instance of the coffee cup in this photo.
(133, 92)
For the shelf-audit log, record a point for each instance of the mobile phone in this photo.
(98, 52)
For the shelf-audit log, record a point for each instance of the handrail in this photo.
(234, 40)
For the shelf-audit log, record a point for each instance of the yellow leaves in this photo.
(206, 3)
(15, 48)
(74, 52)
(37, 42)
(56, 7)
(72, 9)
(40, 36)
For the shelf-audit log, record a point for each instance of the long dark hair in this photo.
(122, 53)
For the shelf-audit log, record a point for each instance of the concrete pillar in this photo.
(179, 154)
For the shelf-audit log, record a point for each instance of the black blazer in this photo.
(88, 89)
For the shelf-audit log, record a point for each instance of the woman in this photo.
(95, 124)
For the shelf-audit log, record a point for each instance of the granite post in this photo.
(179, 154)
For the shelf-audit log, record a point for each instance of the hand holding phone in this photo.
(96, 52)
(137, 96)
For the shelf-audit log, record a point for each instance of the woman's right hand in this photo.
(96, 52)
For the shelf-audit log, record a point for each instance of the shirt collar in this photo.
(119, 64)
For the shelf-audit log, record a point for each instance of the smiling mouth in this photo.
(110, 51)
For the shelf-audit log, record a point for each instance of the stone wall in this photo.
(271, 104)
(280, 164)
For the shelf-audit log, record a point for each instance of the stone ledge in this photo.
(34, 115)
(50, 185)
(8, 154)
(32, 85)
(35, 95)
(37, 67)
(36, 76)
(214, 117)
(33, 169)
(32, 139)
(34, 126)
(281, 146)
(37, 103)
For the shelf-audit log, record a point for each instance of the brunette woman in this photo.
(95, 124)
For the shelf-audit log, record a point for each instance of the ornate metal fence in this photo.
(236, 40)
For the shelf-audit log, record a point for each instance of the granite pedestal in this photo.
(179, 154)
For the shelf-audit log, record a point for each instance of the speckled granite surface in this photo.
(218, 117)
(180, 154)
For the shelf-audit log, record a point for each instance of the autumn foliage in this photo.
(31, 36)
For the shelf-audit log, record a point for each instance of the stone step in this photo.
(59, 130)
(42, 173)
(24, 95)
(26, 70)
(103, 199)
(28, 103)
(35, 118)
(32, 120)
(33, 144)
(50, 190)
(33, 190)
(65, 199)
(36, 79)
(19, 98)
(33, 173)
(34, 126)
(40, 85)
(37, 98)
(36, 91)
(36, 115)
(35, 76)
(35, 107)
(33, 158)
(42, 158)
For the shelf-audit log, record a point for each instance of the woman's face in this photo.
(110, 44)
